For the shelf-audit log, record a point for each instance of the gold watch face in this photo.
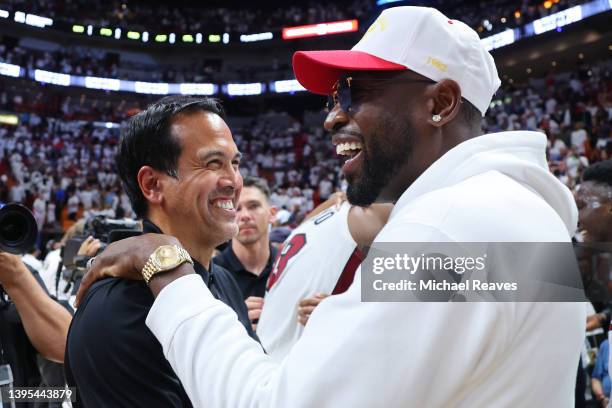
(167, 256)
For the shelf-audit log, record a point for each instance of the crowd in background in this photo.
(63, 168)
(87, 61)
(490, 16)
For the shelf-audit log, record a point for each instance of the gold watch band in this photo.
(152, 266)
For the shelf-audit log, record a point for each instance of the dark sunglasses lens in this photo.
(344, 96)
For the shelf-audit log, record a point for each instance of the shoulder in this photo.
(490, 206)
(111, 306)
(225, 279)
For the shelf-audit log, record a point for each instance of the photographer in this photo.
(30, 321)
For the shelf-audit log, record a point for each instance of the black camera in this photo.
(18, 229)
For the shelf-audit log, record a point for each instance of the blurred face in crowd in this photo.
(254, 216)
(202, 200)
(381, 135)
(594, 201)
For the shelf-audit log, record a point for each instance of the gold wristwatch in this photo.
(164, 258)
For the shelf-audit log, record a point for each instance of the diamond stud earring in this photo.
(436, 118)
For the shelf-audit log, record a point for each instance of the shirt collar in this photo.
(235, 264)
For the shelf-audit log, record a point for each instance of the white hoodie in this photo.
(493, 188)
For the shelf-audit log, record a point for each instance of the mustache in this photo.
(228, 191)
(345, 132)
(247, 226)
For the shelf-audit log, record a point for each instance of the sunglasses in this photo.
(343, 92)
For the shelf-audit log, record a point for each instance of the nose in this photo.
(336, 118)
(231, 178)
(244, 215)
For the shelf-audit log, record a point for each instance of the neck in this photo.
(198, 250)
(253, 257)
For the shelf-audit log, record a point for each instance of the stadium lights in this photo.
(107, 84)
(256, 37)
(78, 29)
(290, 85)
(89, 30)
(502, 39)
(8, 119)
(557, 20)
(54, 78)
(10, 70)
(172, 38)
(383, 2)
(32, 20)
(145, 36)
(156, 88)
(197, 89)
(117, 33)
(107, 32)
(315, 30)
(214, 38)
(226, 37)
(4, 13)
(244, 89)
(199, 38)
(188, 38)
(161, 38)
(133, 35)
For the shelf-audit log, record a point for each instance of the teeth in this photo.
(225, 204)
(345, 148)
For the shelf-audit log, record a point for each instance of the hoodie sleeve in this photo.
(351, 353)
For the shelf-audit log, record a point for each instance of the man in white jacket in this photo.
(406, 104)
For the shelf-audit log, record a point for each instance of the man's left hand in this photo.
(123, 259)
(254, 306)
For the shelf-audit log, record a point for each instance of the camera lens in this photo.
(18, 229)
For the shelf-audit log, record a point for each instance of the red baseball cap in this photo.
(318, 71)
(419, 39)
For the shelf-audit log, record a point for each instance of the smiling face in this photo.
(594, 202)
(201, 201)
(379, 137)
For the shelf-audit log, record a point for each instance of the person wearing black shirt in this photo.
(179, 166)
(33, 326)
(250, 256)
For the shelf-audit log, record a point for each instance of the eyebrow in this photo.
(216, 153)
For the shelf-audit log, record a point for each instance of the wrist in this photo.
(163, 279)
(153, 242)
(16, 278)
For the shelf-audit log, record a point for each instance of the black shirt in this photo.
(250, 283)
(111, 355)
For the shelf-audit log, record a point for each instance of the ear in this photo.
(150, 184)
(446, 98)
(273, 210)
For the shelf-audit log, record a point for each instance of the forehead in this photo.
(199, 131)
(252, 194)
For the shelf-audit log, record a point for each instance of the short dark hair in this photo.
(146, 141)
(259, 183)
(600, 172)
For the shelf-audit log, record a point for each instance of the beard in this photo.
(382, 159)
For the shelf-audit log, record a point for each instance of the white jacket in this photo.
(494, 188)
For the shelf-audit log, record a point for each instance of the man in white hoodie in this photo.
(406, 103)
